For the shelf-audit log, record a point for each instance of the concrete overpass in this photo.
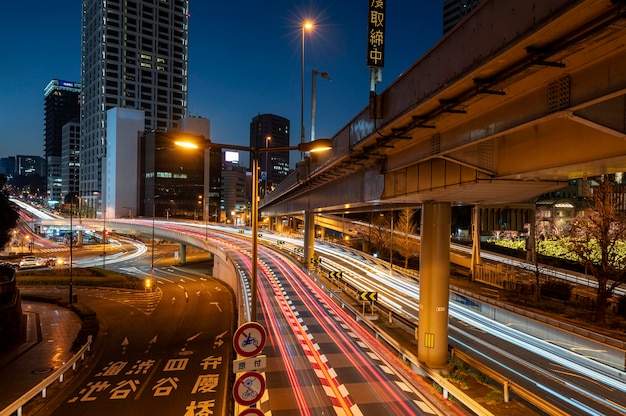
(518, 99)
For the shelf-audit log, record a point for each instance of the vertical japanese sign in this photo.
(376, 33)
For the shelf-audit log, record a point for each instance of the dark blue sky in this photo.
(244, 59)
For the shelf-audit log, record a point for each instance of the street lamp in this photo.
(318, 145)
(307, 25)
(324, 75)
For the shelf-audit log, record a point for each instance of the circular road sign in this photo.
(249, 339)
(252, 411)
(249, 388)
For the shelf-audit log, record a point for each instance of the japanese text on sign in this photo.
(376, 33)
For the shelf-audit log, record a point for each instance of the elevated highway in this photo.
(514, 102)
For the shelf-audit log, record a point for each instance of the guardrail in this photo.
(42, 387)
(508, 386)
(443, 382)
(447, 387)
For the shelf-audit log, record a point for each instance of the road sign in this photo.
(371, 296)
(249, 339)
(252, 411)
(256, 363)
(298, 249)
(334, 275)
(249, 388)
(241, 231)
(280, 242)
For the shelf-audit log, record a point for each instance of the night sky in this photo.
(244, 59)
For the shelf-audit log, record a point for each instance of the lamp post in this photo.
(313, 101)
(152, 257)
(307, 25)
(104, 235)
(316, 146)
(71, 257)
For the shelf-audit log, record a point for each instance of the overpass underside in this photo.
(499, 111)
(519, 98)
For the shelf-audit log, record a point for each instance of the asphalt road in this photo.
(167, 353)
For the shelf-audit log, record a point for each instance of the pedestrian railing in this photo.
(42, 388)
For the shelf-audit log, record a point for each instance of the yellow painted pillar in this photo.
(309, 238)
(476, 260)
(434, 284)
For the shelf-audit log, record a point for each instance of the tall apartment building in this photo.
(61, 105)
(274, 166)
(455, 10)
(134, 56)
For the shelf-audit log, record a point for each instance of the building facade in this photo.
(61, 105)
(172, 178)
(70, 158)
(455, 10)
(134, 56)
(234, 200)
(269, 130)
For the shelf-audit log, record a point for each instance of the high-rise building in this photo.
(134, 56)
(455, 10)
(269, 130)
(61, 105)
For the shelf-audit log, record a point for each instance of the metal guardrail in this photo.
(445, 384)
(507, 386)
(42, 387)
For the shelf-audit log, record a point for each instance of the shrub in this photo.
(556, 290)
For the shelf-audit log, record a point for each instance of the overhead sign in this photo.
(249, 388)
(249, 339)
(376, 34)
(334, 275)
(368, 296)
(256, 363)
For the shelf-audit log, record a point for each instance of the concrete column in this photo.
(476, 260)
(183, 253)
(434, 284)
(309, 238)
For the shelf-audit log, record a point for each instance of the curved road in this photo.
(165, 353)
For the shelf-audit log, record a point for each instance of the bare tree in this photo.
(406, 243)
(377, 233)
(597, 239)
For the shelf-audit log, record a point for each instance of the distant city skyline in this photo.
(242, 62)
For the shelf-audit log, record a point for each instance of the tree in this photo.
(597, 239)
(8, 213)
(376, 234)
(406, 243)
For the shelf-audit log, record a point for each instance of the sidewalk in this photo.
(50, 332)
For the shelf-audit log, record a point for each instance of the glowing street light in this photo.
(306, 26)
(318, 145)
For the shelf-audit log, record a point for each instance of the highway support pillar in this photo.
(476, 260)
(434, 284)
(183, 254)
(309, 239)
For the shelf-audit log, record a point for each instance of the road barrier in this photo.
(42, 387)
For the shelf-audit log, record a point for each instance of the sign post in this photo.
(248, 342)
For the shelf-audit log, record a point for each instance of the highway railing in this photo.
(42, 388)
